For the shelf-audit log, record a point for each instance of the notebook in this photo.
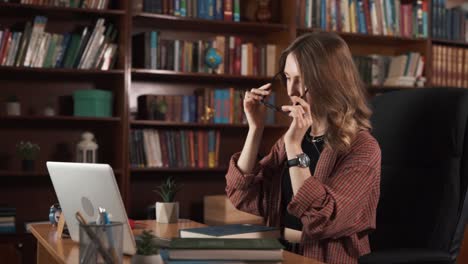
(231, 231)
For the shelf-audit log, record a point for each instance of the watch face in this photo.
(304, 160)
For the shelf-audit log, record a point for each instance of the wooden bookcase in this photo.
(32, 192)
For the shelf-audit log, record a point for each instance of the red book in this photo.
(191, 148)
(255, 60)
(238, 58)
(165, 7)
(164, 152)
(6, 40)
(217, 143)
(201, 153)
(171, 7)
(227, 10)
(367, 16)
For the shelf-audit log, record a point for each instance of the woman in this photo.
(321, 180)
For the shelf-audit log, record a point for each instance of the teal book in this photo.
(235, 249)
(231, 231)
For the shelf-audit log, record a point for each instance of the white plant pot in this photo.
(152, 259)
(167, 212)
(13, 108)
(49, 111)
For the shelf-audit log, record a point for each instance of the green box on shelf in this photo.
(93, 102)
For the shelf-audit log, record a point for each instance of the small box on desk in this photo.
(93, 103)
(218, 210)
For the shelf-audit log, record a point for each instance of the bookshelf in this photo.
(58, 135)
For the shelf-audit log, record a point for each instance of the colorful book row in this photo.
(174, 148)
(88, 49)
(227, 10)
(450, 24)
(92, 4)
(218, 106)
(238, 57)
(373, 17)
(450, 66)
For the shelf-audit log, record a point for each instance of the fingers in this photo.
(258, 94)
(265, 86)
(298, 100)
(249, 96)
(301, 116)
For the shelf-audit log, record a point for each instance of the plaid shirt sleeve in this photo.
(249, 192)
(345, 203)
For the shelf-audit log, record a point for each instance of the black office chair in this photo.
(423, 205)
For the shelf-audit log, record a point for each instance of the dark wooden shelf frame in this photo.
(369, 38)
(450, 43)
(165, 75)
(149, 20)
(156, 123)
(181, 170)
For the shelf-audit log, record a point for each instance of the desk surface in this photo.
(50, 249)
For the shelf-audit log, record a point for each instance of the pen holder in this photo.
(101, 243)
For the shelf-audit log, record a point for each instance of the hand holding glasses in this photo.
(277, 80)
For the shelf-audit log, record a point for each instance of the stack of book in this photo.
(231, 231)
(226, 250)
(402, 70)
(7, 220)
(406, 70)
(236, 243)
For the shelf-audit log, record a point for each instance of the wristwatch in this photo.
(301, 160)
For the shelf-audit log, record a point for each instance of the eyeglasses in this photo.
(277, 80)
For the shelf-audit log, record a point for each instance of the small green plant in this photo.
(27, 150)
(168, 189)
(145, 244)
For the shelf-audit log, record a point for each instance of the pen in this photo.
(94, 238)
(104, 219)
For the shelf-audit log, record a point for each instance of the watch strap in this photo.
(293, 162)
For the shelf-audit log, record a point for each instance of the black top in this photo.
(313, 152)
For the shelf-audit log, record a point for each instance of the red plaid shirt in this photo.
(337, 205)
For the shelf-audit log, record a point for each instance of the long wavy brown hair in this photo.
(329, 72)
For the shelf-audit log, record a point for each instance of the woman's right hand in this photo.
(255, 112)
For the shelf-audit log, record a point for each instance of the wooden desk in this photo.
(52, 251)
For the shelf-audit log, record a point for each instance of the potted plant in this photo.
(168, 210)
(147, 250)
(28, 152)
(13, 107)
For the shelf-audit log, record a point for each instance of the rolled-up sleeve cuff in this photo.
(311, 194)
(235, 178)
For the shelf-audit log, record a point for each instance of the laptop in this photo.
(85, 187)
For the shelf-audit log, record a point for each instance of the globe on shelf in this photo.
(213, 59)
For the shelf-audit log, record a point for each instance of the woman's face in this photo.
(293, 77)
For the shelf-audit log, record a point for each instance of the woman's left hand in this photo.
(302, 121)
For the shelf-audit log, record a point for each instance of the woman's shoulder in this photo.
(365, 139)
(364, 145)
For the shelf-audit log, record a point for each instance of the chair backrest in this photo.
(423, 136)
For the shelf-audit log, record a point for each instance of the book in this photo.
(164, 254)
(231, 231)
(226, 249)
